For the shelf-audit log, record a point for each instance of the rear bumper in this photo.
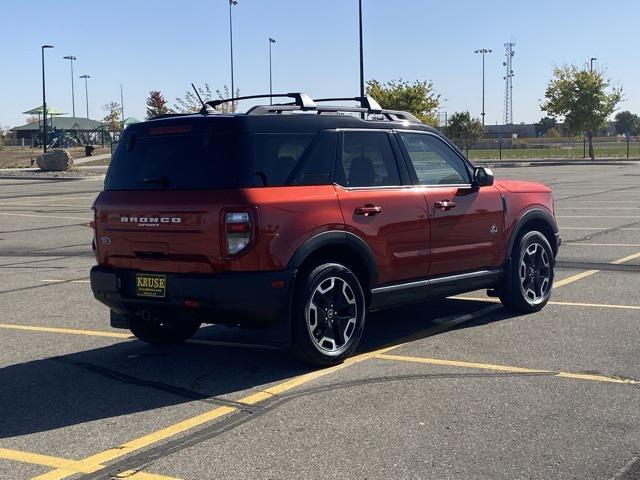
(237, 298)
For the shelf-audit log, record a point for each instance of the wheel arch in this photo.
(535, 219)
(339, 246)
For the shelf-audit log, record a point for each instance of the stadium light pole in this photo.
(44, 97)
(483, 51)
(86, 91)
(71, 59)
(271, 42)
(361, 54)
(593, 59)
(231, 4)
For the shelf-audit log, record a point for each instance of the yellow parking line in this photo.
(574, 278)
(599, 228)
(552, 302)
(70, 331)
(53, 280)
(52, 205)
(252, 399)
(44, 216)
(507, 369)
(626, 259)
(138, 475)
(595, 216)
(588, 273)
(48, 461)
(578, 244)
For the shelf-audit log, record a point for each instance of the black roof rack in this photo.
(301, 100)
(367, 105)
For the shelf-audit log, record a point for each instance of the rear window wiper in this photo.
(164, 181)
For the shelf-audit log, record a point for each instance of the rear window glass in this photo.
(177, 161)
(176, 158)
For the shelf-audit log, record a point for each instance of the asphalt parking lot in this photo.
(452, 389)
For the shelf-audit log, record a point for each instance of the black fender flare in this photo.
(532, 214)
(336, 238)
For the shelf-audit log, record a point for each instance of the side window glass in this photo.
(367, 160)
(316, 166)
(275, 156)
(434, 162)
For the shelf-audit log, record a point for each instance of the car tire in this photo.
(163, 333)
(530, 274)
(329, 311)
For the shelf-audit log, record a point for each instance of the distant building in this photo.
(73, 129)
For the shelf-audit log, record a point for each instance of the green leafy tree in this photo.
(584, 98)
(627, 122)
(464, 130)
(417, 98)
(112, 119)
(2, 135)
(191, 104)
(544, 125)
(156, 105)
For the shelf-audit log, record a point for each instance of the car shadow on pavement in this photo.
(129, 377)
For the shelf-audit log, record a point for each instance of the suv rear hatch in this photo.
(165, 193)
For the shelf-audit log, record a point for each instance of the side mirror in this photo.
(482, 177)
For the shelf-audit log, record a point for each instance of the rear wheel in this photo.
(163, 333)
(328, 315)
(530, 274)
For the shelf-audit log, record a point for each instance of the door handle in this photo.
(445, 205)
(368, 210)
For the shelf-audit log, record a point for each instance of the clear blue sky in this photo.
(164, 45)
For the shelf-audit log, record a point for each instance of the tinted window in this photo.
(317, 164)
(177, 161)
(367, 160)
(435, 163)
(276, 155)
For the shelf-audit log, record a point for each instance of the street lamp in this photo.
(44, 98)
(483, 51)
(71, 58)
(86, 91)
(231, 4)
(271, 42)
(361, 49)
(593, 59)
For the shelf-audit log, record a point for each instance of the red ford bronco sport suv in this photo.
(300, 218)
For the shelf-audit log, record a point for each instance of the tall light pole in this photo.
(271, 42)
(86, 90)
(122, 106)
(483, 51)
(593, 59)
(361, 49)
(231, 4)
(71, 59)
(44, 97)
(361, 53)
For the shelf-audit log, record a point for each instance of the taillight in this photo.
(238, 231)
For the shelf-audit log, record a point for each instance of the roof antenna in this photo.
(203, 111)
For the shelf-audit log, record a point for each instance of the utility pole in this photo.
(361, 56)
(593, 59)
(231, 4)
(271, 42)
(86, 91)
(44, 98)
(483, 51)
(71, 59)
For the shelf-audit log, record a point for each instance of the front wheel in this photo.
(530, 274)
(328, 315)
(163, 333)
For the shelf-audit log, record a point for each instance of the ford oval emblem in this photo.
(106, 241)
